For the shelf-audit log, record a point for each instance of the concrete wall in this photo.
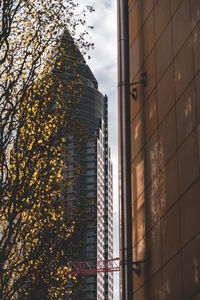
(165, 135)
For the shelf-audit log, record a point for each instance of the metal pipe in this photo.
(125, 155)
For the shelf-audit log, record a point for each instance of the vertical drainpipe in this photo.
(126, 267)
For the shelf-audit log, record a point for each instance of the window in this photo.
(90, 172)
(90, 165)
(90, 179)
(90, 151)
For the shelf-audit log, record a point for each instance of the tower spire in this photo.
(71, 61)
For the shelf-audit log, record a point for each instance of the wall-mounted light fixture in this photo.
(143, 81)
(136, 264)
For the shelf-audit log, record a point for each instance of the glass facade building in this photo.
(92, 189)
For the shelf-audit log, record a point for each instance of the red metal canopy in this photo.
(93, 267)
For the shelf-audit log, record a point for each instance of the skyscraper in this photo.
(92, 189)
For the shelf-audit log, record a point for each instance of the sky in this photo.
(103, 64)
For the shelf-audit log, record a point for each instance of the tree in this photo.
(35, 115)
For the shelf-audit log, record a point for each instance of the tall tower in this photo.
(92, 190)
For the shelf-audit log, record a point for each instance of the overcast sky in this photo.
(103, 64)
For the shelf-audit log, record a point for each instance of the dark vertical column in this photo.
(125, 155)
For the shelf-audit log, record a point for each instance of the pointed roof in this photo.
(71, 59)
(69, 47)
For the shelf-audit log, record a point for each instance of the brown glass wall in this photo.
(165, 136)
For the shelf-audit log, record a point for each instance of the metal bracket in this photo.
(133, 92)
(136, 264)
